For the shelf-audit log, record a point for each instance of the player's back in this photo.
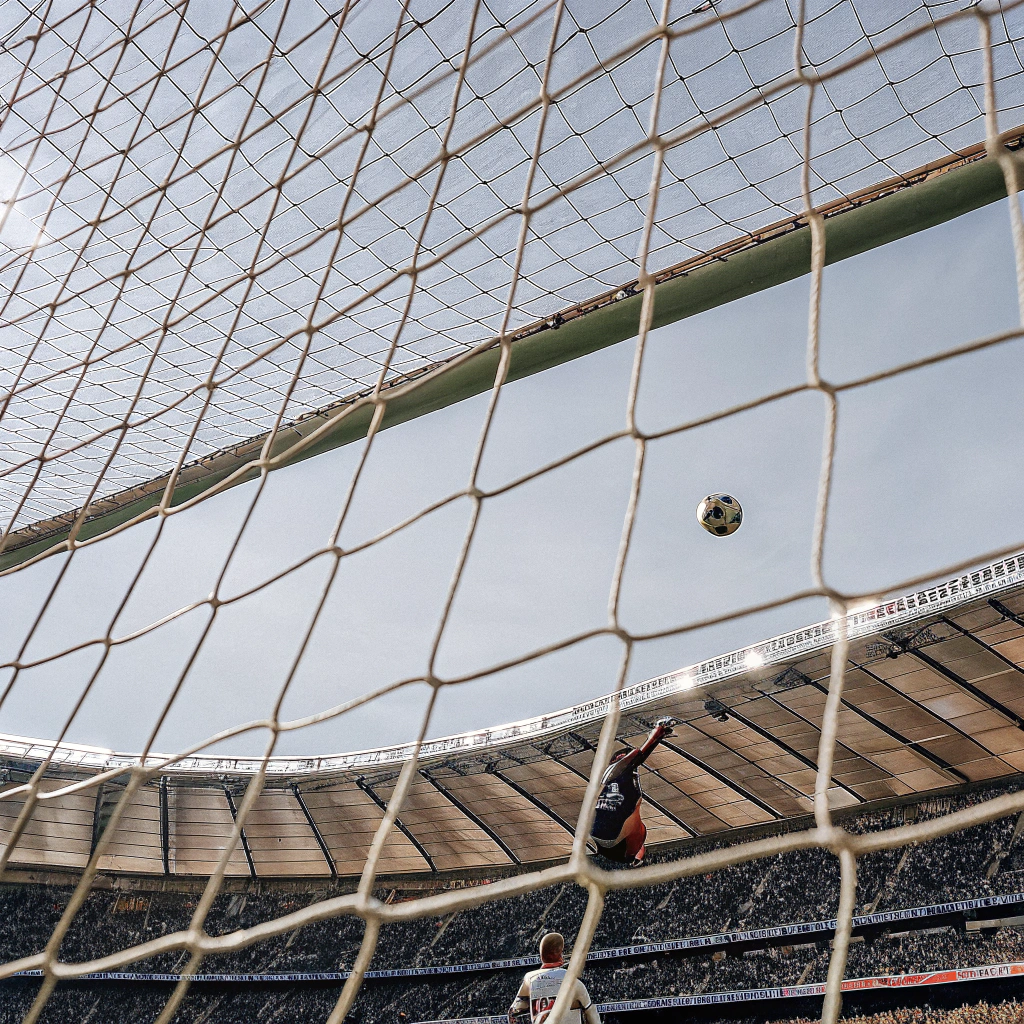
(544, 985)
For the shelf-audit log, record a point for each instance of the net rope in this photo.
(49, 479)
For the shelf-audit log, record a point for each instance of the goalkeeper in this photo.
(539, 989)
(618, 829)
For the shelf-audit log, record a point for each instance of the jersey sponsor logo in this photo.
(611, 798)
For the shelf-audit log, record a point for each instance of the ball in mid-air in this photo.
(720, 514)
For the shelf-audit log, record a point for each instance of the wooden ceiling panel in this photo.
(801, 779)
(200, 827)
(986, 768)
(281, 841)
(1015, 759)
(953, 705)
(449, 837)
(1012, 648)
(662, 829)
(553, 784)
(531, 834)
(1000, 738)
(738, 782)
(1006, 687)
(921, 780)
(983, 723)
(136, 844)
(59, 833)
(347, 819)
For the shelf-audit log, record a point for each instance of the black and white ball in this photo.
(720, 514)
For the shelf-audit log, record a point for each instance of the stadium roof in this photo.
(933, 699)
(262, 217)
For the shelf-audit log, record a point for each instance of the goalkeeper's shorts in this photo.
(626, 850)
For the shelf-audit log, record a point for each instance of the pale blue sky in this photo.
(927, 472)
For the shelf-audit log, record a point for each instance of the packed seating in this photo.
(800, 886)
(1009, 1012)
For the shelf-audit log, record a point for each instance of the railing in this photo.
(996, 578)
(800, 929)
(879, 982)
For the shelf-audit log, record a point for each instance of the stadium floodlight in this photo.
(228, 246)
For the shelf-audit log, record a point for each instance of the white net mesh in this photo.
(218, 220)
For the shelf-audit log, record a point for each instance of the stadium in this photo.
(498, 803)
(361, 365)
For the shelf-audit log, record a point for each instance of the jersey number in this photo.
(540, 1008)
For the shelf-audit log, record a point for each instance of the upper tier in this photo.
(932, 699)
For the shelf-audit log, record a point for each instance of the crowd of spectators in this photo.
(111, 1004)
(946, 947)
(403, 1003)
(799, 886)
(1009, 1012)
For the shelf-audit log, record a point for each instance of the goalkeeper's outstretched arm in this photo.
(662, 728)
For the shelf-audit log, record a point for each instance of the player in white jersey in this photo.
(539, 989)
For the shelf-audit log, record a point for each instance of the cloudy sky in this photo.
(927, 472)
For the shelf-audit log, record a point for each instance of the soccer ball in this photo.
(720, 514)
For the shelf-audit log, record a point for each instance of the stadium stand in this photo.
(1010, 1012)
(794, 888)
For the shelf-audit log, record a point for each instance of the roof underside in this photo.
(931, 703)
(192, 202)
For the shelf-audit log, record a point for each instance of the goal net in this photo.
(234, 237)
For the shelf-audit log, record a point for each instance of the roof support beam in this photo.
(97, 825)
(981, 643)
(316, 831)
(476, 819)
(403, 828)
(921, 707)
(536, 801)
(941, 763)
(1005, 612)
(974, 691)
(783, 745)
(723, 779)
(241, 832)
(165, 837)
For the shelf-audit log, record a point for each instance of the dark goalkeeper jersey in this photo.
(616, 803)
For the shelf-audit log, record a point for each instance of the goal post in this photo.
(903, 206)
